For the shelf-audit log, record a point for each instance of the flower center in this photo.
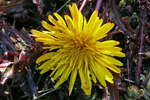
(79, 44)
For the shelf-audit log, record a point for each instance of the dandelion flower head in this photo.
(77, 49)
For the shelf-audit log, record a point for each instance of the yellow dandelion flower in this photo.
(78, 49)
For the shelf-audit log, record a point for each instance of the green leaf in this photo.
(148, 85)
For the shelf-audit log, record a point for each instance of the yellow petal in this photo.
(97, 24)
(68, 73)
(60, 19)
(45, 57)
(88, 90)
(103, 30)
(57, 55)
(48, 26)
(119, 54)
(100, 67)
(99, 76)
(85, 25)
(112, 49)
(92, 20)
(112, 67)
(107, 63)
(85, 62)
(62, 65)
(80, 23)
(60, 71)
(93, 77)
(93, 17)
(46, 47)
(63, 77)
(80, 62)
(75, 13)
(85, 83)
(45, 64)
(71, 11)
(52, 64)
(45, 40)
(54, 47)
(66, 31)
(59, 82)
(82, 77)
(52, 20)
(110, 80)
(45, 70)
(72, 80)
(73, 61)
(54, 60)
(40, 34)
(112, 60)
(57, 67)
(56, 34)
(69, 23)
(108, 43)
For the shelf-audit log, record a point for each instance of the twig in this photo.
(10, 95)
(39, 80)
(128, 63)
(118, 19)
(106, 14)
(144, 83)
(62, 6)
(36, 84)
(139, 63)
(117, 16)
(48, 92)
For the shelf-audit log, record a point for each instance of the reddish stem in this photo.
(139, 63)
(98, 5)
(113, 88)
(118, 19)
(117, 16)
(128, 62)
(83, 4)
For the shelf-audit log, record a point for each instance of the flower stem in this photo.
(139, 63)
(83, 4)
(98, 5)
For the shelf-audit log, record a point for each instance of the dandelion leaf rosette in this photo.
(78, 50)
